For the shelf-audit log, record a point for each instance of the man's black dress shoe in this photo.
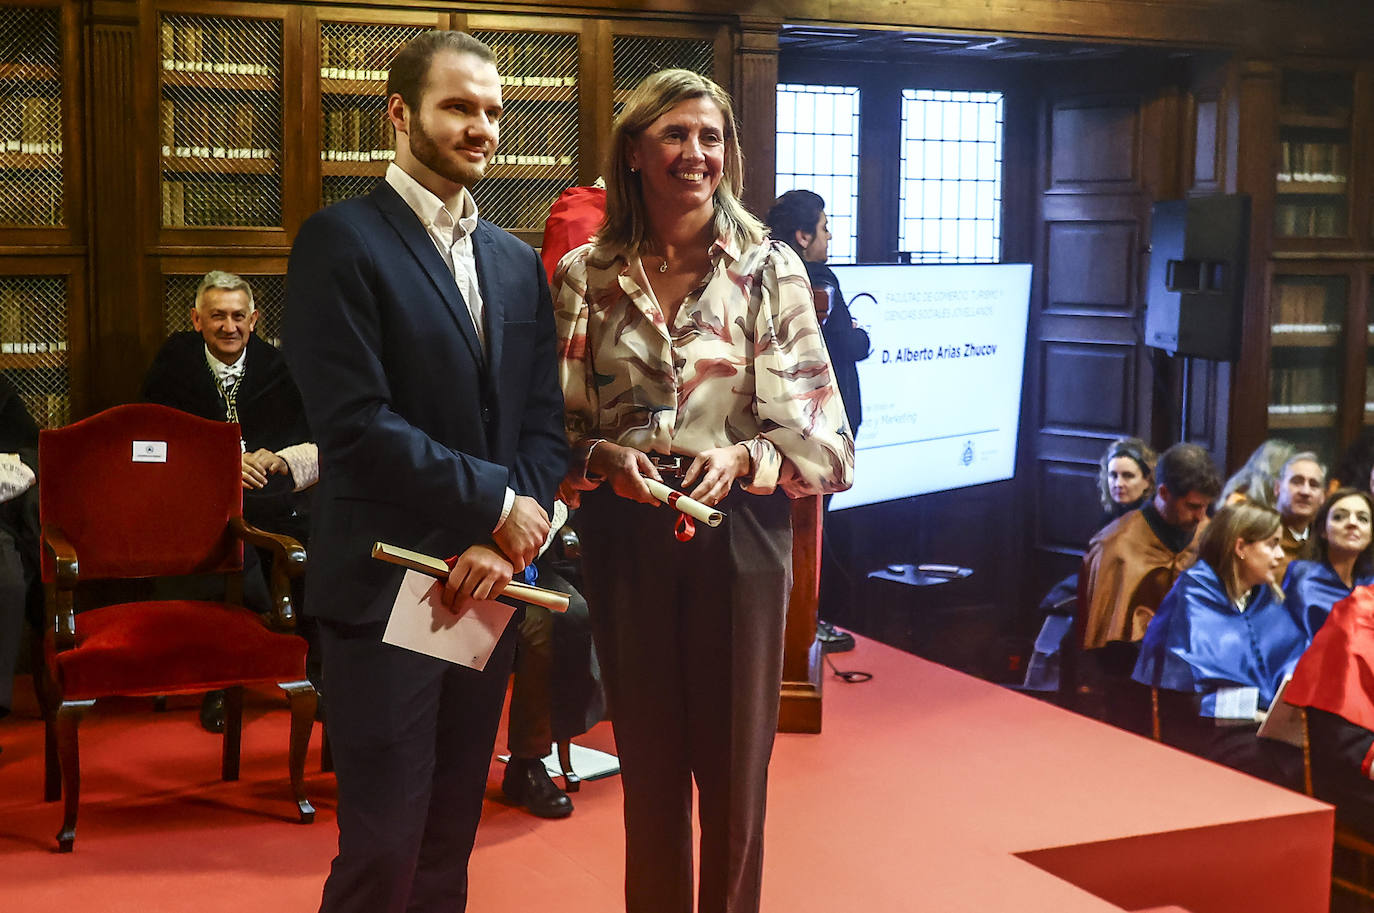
(212, 711)
(527, 783)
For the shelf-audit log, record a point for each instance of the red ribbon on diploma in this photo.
(686, 527)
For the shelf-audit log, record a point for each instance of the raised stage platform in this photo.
(927, 791)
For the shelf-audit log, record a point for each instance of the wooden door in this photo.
(1107, 152)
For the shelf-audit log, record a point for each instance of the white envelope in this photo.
(465, 634)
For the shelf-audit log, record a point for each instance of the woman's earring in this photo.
(634, 170)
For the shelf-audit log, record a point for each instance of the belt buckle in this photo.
(671, 463)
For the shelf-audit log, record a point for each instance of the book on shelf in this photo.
(1305, 220)
(1299, 390)
(357, 135)
(204, 129)
(199, 204)
(1313, 163)
(210, 46)
(20, 332)
(362, 53)
(1300, 304)
(31, 125)
(531, 59)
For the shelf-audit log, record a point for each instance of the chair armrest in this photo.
(60, 620)
(288, 560)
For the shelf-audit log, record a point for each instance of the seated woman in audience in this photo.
(1255, 480)
(1332, 682)
(1126, 477)
(1345, 549)
(1125, 481)
(1223, 636)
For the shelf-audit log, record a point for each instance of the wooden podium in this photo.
(802, 663)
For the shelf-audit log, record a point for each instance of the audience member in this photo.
(21, 591)
(1356, 468)
(1332, 680)
(1298, 495)
(690, 351)
(1256, 480)
(1125, 477)
(1345, 559)
(1132, 562)
(798, 218)
(1223, 635)
(222, 371)
(557, 690)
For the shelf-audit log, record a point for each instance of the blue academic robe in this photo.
(1310, 589)
(1199, 642)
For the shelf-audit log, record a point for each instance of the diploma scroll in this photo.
(552, 600)
(678, 501)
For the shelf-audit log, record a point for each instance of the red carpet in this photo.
(928, 790)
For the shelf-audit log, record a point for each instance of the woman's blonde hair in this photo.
(625, 226)
(1244, 521)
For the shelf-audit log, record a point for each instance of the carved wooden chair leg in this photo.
(233, 732)
(68, 718)
(571, 781)
(47, 703)
(303, 703)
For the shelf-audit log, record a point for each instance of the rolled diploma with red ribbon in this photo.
(680, 502)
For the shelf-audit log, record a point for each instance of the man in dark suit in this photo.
(224, 372)
(422, 339)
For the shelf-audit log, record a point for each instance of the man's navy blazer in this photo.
(420, 430)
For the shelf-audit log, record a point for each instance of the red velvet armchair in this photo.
(145, 491)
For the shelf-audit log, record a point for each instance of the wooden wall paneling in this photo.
(119, 323)
(1256, 125)
(1353, 394)
(1362, 164)
(756, 107)
(802, 661)
(1089, 375)
(74, 71)
(596, 107)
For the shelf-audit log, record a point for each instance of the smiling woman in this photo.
(687, 340)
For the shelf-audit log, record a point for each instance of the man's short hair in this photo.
(1187, 468)
(794, 211)
(1306, 455)
(409, 71)
(218, 278)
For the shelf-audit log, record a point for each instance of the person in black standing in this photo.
(798, 218)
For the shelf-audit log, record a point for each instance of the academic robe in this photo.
(1128, 570)
(1334, 680)
(1311, 588)
(1294, 549)
(1199, 642)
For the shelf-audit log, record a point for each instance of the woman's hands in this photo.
(715, 470)
(718, 468)
(625, 469)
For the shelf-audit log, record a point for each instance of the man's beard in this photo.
(450, 168)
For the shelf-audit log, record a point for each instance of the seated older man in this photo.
(224, 372)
